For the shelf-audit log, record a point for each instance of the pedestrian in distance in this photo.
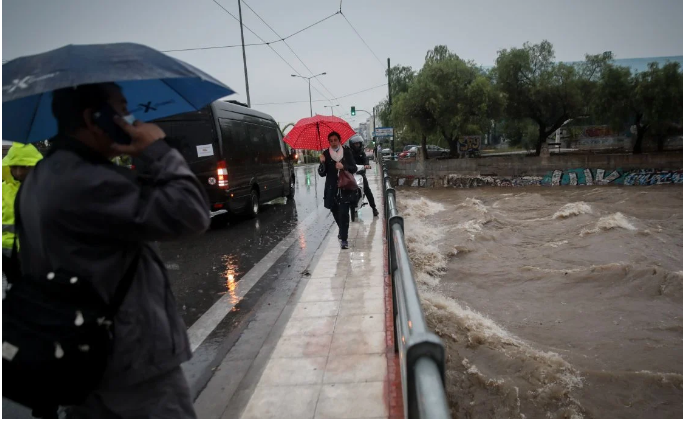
(362, 160)
(83, 214)
(332, 161)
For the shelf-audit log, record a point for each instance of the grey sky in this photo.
(400, 29)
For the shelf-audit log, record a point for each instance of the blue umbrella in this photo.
(156, 85)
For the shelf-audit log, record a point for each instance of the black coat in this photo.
(360, 157)
(83, 214)
(328, 169)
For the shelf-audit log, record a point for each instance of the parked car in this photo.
(237, 153)
(406, 150)
(386, 154)
(433, 151)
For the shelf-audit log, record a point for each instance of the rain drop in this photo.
(73, 280)
(50, 276)
(79, 318)
(59, 353)
(84, 348)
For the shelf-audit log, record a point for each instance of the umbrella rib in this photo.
(178, 93)
(33, 118)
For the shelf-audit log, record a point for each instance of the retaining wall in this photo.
(517, 170)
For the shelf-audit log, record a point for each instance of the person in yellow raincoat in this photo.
(16, 166)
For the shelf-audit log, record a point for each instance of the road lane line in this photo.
(217, 312)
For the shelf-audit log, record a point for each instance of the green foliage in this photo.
(532, 95)
(521, 133)
(448, 97)
(401, 78)
(652, 101)
(548, 93)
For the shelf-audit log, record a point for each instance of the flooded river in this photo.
(554, 302)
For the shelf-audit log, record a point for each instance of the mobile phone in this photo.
(104, 118)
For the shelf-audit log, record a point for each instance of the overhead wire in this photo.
(323, 100)
(228, 46)
(271, 47)
(361, 38)
(290, 47)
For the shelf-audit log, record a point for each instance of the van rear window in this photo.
(194, 139)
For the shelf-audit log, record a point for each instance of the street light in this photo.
(331, 107)
(310, 102)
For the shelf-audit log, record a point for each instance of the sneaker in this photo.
(344, 245)
(375, 212)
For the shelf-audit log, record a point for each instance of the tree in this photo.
(521, 133)
(411, 114)
(651, 101)
(548, 93)
(458, 95)
(401, 77)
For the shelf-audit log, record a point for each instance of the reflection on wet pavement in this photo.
(230, 275)
(201, 269)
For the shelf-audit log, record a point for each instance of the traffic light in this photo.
(353, 111)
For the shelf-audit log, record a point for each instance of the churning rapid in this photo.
(554, 302)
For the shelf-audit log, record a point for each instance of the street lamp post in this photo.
(331, 107)
(310, 101)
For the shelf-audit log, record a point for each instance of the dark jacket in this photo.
(82, 214)
(360, 157)
(332, 194)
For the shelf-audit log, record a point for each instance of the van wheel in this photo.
(254, 206)
(292, 188)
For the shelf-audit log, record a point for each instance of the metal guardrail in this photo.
(421, 352)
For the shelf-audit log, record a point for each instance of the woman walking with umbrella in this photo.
(309, 133)
(332, 161)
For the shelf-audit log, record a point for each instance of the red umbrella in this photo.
(311, 133)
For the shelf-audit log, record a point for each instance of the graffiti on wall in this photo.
(588, 177)
(597, 131)
(469, 144)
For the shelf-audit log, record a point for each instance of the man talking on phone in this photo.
(84, 214)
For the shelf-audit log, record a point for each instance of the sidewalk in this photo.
(330, 348)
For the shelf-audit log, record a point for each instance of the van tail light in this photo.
(222, 174)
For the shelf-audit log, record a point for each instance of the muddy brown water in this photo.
(554, 302)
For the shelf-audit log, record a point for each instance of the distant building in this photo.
(363, 130)
(641, 64)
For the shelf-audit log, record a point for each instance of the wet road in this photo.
(202, 270)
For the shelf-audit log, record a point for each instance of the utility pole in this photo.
(374, 138)
(389, 115)
(244, 54)
(310, 99)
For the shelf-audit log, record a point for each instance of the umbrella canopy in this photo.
(311, 133)
(155, 85)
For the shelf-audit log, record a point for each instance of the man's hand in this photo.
(340, 166)
(142, 135)
(322, 158)
(367, 167)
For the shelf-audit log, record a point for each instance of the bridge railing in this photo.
(421, 352)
